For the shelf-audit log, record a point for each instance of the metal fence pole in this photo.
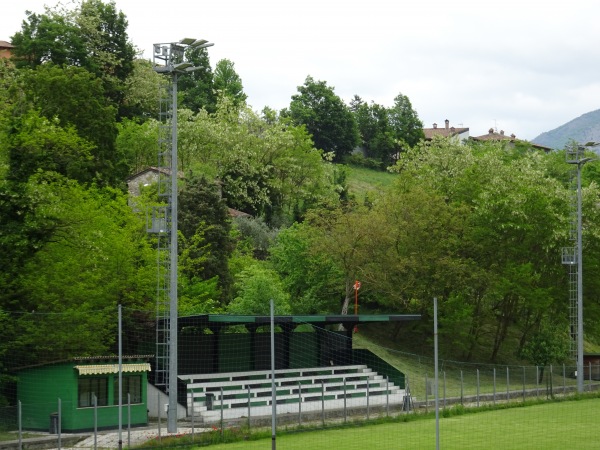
(478, 388)
(507, 384)
(345, 411)
(59, 423)
(590, 374)
(158, 408)
(461, 388)
(494, 397)
(537, 381)
(249, 408)
(426, 394)
(221, 411)
(192, 419)
(128, 420)
(444, 389)
(323, 403)
(368, 406)
(20, 424)
(523, 383)
(95, 403)
(387, 395)
(299, 404)
(564, 380)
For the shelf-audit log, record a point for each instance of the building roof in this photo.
(226, 320)
(446, 131)
(5, 44)
(494, 135)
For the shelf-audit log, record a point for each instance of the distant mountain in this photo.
(584, 129)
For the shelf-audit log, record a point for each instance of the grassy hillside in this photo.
(365, 182)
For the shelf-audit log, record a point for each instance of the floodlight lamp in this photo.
(187, 41)
(198, 42)
(157, 49)
(182, 66)
(206, 44)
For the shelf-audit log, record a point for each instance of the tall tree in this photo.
(405, 122)
(227, 81)
(196, 87)
(326, 117)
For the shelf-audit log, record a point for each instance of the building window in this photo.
(132, 385)
(90, 386)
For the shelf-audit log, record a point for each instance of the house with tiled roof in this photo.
(6, 49)
(459, 133)
(498, 136)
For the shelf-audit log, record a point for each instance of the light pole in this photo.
(174, 59)
(578, 158)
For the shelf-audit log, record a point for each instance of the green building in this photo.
(76, 385)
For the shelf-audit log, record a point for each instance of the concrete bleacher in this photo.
(237, 394)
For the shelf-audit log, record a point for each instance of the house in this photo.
(6, 49)
(493, 135)
(76, 386)
(461, 134)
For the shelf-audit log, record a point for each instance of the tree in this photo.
(196, 88)
(548, 345)
(76, 98)
(377, 136)
(93, 37)
(205, 226)
(326, 117)
(227, 81)
(405, 122)
(256, 287)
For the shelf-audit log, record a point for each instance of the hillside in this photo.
(583, 129)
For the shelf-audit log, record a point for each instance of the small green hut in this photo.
(73, 384)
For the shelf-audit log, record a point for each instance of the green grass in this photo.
(363, 181)
(557, 425)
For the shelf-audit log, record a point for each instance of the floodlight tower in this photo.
(573, 257)
(169, 59)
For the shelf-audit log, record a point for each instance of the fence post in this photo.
(461, 388)
(128, 420)
(494, 396)
(323, 403)
(551, 383)
(387, 395)
(20, 424)
(249, 407)
(299, 404)
(537, 381)
(478, 388)
(221, 412)
(368, 405)
(95, 403)
(192, 417)
(59, 423)
(564, 380)
(590, 375)
(444, 389)
(345, 411)
(507, 384)
(158, 407)
(524, 381)
(426, 393)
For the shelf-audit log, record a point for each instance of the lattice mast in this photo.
(570, 254)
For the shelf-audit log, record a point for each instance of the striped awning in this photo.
(101, 369)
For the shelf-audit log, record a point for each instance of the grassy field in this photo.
(363, 181)
(568, 424)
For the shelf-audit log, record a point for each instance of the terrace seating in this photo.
(311, 389)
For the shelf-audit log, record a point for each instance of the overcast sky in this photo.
(524, 67)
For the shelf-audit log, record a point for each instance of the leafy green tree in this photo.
(377, 137)
(196, 88)
(405, 122)
(256, 286)
(205, 225)
(93, 258)
(227, 81)
(76, 98)
(326, 117)
(547, 346)
(93, 37)
(140, 92)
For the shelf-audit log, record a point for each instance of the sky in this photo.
(523, 67)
